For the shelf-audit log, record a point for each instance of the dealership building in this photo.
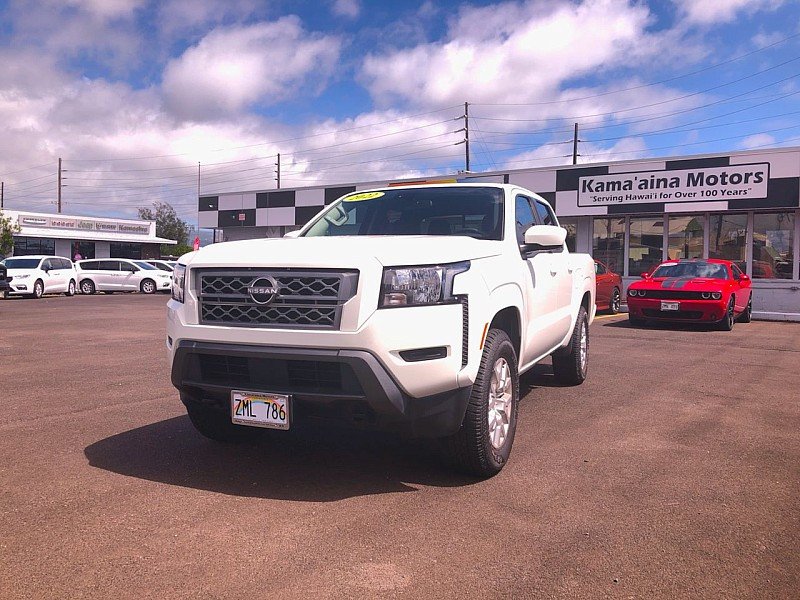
(630, 215)
(89, 237)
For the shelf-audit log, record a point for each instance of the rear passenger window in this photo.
(108, 265)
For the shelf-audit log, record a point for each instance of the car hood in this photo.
(688, 284)
(344, 252)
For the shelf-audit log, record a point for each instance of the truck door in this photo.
(540, 329)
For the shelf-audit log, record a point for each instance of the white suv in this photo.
(35, 276)
(111, 275)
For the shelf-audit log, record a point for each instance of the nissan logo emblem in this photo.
(263, 290)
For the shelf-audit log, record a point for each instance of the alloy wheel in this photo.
(501, 403)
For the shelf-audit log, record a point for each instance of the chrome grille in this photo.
(305, 299)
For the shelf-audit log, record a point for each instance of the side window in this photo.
(546, 216)
(65, 264)
(737, 272)
(108, 265)
(46, 264)
(91, 265)
(523, 217)
(599, 269)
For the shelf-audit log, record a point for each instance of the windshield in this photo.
(22, 263)
(692, 269)
(144, 265)
(475, 211)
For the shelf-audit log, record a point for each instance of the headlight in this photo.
(705, 295)
(716, 295)
(631, 292)
(178, 282)
(419, 286)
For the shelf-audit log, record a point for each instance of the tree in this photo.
(7, 230)
(168, 224)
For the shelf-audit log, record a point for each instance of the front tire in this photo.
(70, 288)
(482, 446)
(148, 286)
(570, 367)
(726, 324)
(38, 289)
(216, 424)
(87, 287)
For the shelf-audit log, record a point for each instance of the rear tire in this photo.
(615, 302)
(148, 286)
(216, 424)
(87, 287)
(482, 446)
(570, 366)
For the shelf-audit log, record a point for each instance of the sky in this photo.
(133, 94)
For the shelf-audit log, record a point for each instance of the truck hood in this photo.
(344, 252)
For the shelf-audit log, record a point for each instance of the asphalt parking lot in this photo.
(671, 473)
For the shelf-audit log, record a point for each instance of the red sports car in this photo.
(693, 290)
(608, 293)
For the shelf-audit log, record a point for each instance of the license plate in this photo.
(670, 306)
(257, 409)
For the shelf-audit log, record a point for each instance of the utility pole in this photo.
(2, 191)
(59, 185)
(466, 136)
(278, 171)
(575, 146)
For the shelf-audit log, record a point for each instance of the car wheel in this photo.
(87, 286)
(747, 315)
(38, 289)
(571, 365)
(216, 424)
(616, 302)
(70, 288)
(148, 286)
(726, 323)
(482, 445)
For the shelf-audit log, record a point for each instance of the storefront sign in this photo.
(84, 224)
(690, 185)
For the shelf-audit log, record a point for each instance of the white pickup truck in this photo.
(410, 309)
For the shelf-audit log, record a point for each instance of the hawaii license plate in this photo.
(670, 305)
(258, 409)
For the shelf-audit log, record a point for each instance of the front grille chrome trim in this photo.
(308, 299)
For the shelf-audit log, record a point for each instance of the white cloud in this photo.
(232, 68)
(181, 16)
(705, 12)
(347, 8)
(551, 156)
(759, 140)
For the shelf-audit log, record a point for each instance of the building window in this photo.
(685, 237)
(773, 248)
(83, 250)
(25, 246)
(571, 225)
(126, 250)
(646, 249)
(727, 238)
(608, 243)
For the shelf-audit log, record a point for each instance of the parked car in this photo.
(164, 265)
(4, 285)
(37, 275)
(111, 275)
(693, 290)
(609, 288)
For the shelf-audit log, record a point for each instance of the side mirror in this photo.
(292, 234)
(744, 277)
(645, 275)
(545, 235)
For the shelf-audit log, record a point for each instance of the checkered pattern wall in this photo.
(560, 186)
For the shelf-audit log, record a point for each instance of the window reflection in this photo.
(646, 244)
(727, 238)
(685, 237)
(608, 243)
(571, 225)
(773, 245)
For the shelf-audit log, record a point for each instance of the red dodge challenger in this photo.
(692, 290)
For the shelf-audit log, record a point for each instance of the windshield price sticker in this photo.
(260, 410)
(363, 196)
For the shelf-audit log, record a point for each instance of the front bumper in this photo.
(698, 311)
(348, 386)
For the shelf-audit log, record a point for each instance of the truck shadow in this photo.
(311, 465)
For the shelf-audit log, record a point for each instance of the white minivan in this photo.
(111, 275)
(37, 275)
